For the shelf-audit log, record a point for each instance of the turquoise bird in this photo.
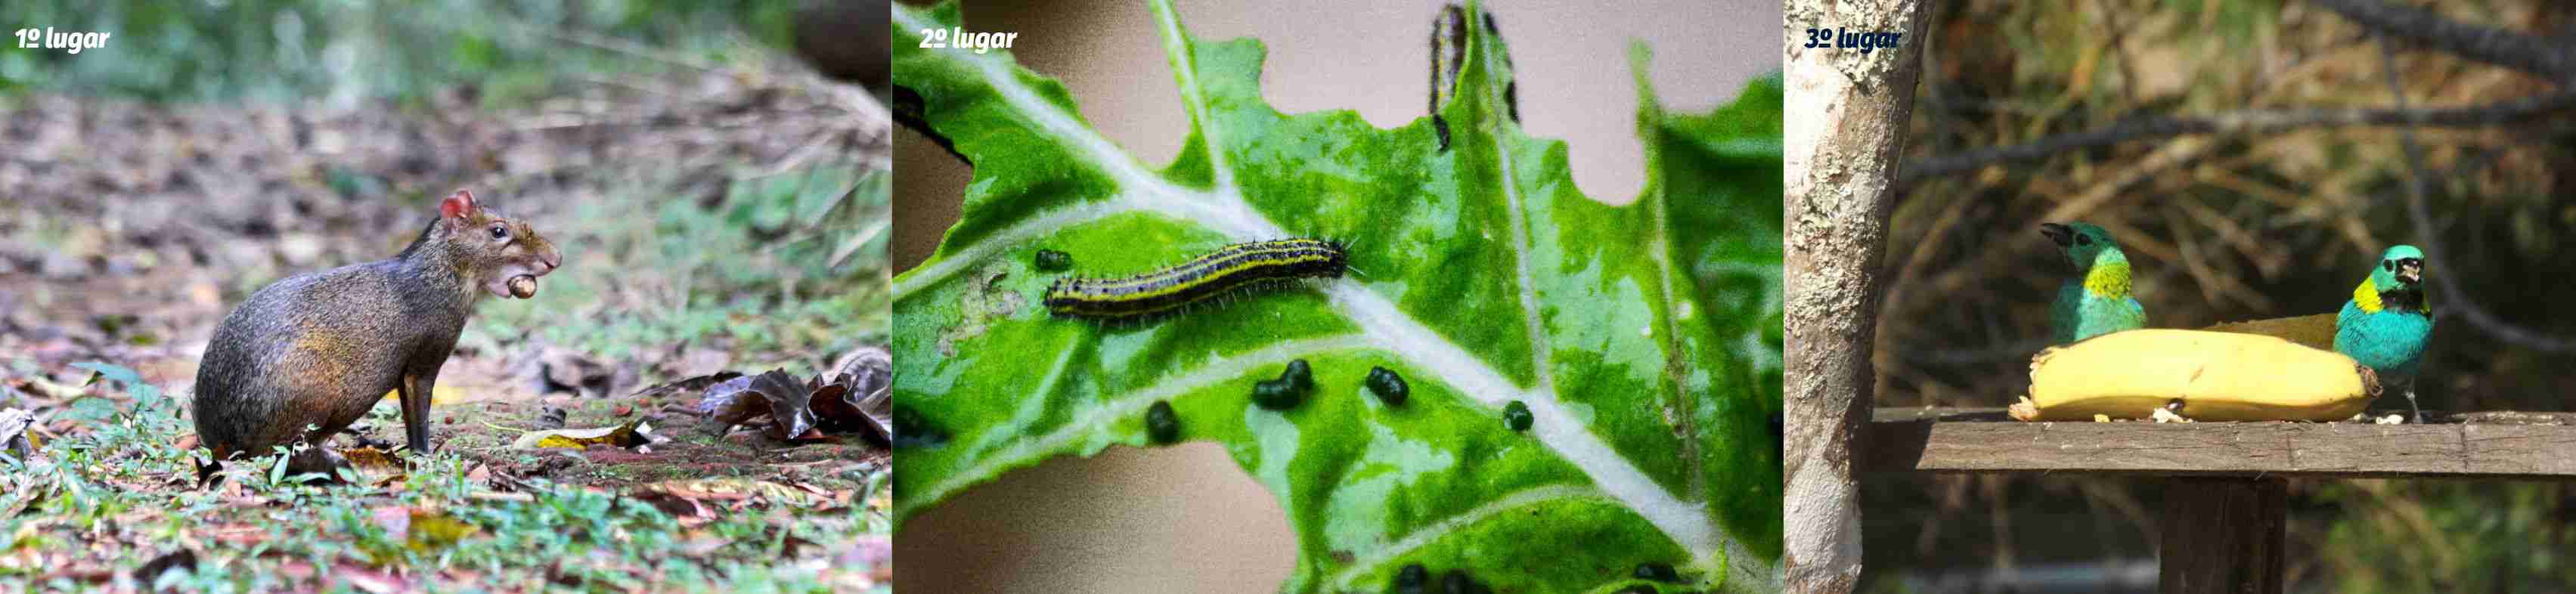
(2388, 321)
(2098, 302)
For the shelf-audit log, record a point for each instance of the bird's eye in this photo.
(500, 232)
(2390, 266)
(2083, 240)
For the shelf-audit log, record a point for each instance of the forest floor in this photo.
(726, 219)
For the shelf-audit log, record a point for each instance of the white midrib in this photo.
(1385, 326)
(1185, 72)
(1741, 575)
(1743, 567)
(1678, 310)
(1518, 220)
(1432, 533)
(1217, 371)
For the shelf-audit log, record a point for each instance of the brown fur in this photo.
(319, 349)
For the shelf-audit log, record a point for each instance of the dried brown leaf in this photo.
(692, 384)
(731, 402)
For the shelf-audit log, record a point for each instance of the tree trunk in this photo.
(1845, 125)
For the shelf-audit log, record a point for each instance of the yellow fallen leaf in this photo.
(433, 531)
(737, 489)
(371, 461)
(436, 395)
(628, 435)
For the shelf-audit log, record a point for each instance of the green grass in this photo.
(117, 496)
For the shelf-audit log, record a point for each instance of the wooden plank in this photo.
(2224, 535)
(2536, 445)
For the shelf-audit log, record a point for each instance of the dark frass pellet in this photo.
(911, 430)
(1299, 376)
(1516, 416)
(1388, 386)
(1054, 261)
(1275, 395)
(1411, 579)
(1287, 390)
(1658, 572)
(1457, 582)
(1161, 424)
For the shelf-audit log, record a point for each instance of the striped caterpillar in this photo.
(1234, 268)
(1449, 56)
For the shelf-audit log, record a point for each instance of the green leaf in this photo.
(146, 396)
(110, 371)
(90, 409)
(277, 471)
(1644, 339)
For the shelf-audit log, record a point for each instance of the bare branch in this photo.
(2510, 49)
(2241, 123)
(2501, 47)
(2417, 185)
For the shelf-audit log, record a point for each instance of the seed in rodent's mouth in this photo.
(523, 286)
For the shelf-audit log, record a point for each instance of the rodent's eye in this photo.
(500, 232)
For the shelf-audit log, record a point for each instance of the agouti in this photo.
(319, 349)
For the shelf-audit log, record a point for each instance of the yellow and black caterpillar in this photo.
(1238, 267)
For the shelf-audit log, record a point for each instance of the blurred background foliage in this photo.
(706, 188)
(345, 50)
(776, 270)
(2223, 228)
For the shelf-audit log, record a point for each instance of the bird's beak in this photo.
(2058, 233)
(2410, 271)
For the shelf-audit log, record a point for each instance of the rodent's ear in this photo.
(457, 205)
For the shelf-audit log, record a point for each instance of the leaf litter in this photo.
(212, 201)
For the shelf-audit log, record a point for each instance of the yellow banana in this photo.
(2202, 375)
